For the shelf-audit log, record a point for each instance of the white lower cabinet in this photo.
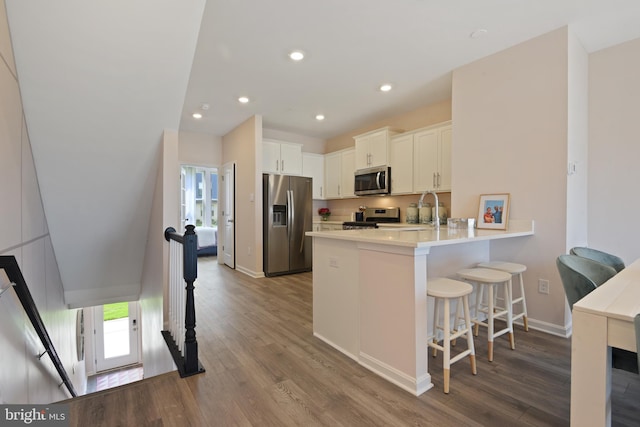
(330, 227)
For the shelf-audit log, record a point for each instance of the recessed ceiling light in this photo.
(197, 115)
(296, 55)
(385, 87)
(243, 99)
(320, 117)
(478, 33)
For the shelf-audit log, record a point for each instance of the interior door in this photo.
(227, 211)
(116, 335)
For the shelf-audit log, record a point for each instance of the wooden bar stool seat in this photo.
(446, 290)
(515, 270)
(490, 279)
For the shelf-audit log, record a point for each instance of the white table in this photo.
(601, 320)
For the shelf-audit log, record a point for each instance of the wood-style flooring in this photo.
(265, 368)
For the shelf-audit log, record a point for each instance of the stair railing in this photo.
(9, 264)
(183, 268)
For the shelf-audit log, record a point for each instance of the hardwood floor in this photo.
(265, 368)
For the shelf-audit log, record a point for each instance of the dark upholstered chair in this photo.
(596, 255)
(580, 276)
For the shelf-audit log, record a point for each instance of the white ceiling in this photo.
(101, 80)
(353, 46)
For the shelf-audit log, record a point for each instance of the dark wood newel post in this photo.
(190, 259)
(187, 360)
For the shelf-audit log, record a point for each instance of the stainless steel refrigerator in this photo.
(286, 217)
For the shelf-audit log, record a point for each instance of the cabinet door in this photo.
(291, 159)
(362, 152)
(270, 157)
(313, 166)
(425, 165)
(348, 177)
(372, 150)
(332, 175)
(444, 155)
(379, 149)
(402, 164)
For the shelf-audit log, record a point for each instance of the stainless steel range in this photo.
(373, 216)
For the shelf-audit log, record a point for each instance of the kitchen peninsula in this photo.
(370, 291)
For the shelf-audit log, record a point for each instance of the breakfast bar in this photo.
(370, 291)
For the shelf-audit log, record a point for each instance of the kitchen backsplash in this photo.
(341, 209)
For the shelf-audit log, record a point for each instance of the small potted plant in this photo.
(324, 213)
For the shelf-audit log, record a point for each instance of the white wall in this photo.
(309, 144)
(510, 135)
(199, 149)
(244, 146)
(25, 235)
(156, 358)
(614, 150)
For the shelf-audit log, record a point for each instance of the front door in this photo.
(116, 335)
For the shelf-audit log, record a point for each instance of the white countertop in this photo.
(428, 236)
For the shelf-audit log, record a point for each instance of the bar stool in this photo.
(486, 277)
(446, 290)
(513, 269)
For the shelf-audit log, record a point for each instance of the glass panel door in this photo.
(116, 332)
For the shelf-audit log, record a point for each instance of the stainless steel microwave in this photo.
(373, 181)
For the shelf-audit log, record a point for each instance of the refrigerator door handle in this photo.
(292, 210)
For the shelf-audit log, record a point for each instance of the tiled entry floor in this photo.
(107, 380)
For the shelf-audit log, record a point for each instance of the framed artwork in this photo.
(493, 211)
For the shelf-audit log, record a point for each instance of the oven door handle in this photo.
(378, 176)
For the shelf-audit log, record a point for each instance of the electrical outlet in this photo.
(333, 262)
(543, 286)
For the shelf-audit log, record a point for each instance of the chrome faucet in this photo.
(436, 220)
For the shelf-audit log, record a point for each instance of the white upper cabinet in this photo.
(348, 176)
(432, 159)
(333, 174)
(372, 148)
(420, 160)
(281, 157)
(402, 164)
(313, 166)
(339, 179)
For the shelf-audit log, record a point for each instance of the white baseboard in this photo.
(251, 273)
(549, 328)
(415, 386)
(337, 347)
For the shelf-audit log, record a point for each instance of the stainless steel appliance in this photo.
(287, 213)
(370, 181)
(373, 216)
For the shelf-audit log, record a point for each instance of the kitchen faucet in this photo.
(436, 220)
